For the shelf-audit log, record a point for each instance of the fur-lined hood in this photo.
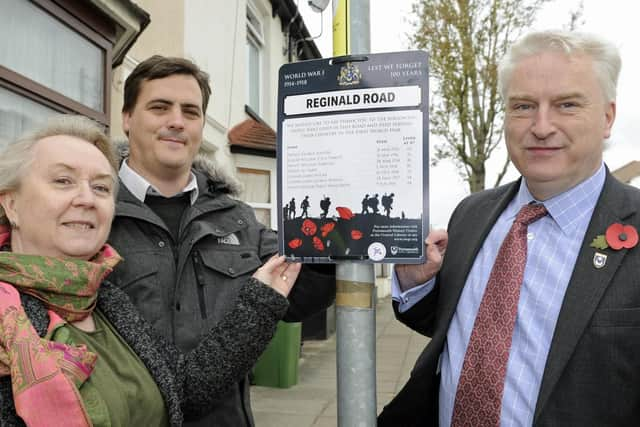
(211, 164)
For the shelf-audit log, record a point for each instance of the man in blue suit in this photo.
(574, 354)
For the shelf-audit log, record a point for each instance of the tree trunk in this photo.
(476, 181)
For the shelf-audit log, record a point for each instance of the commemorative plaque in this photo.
(353, 158)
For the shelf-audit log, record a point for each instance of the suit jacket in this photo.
(592, 374)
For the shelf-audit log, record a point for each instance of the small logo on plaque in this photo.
(376, 251)
(349, 75)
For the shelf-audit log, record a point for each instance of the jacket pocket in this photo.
(219, 275)
(138, 277)
(134, 278)
(623, 317)
(231, 263)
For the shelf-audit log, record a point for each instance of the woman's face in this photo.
(65, 202)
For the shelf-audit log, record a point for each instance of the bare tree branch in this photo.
(466, 39)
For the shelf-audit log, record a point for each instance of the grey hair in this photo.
(17, 157)
(605, 56)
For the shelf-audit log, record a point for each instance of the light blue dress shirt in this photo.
(553, 245)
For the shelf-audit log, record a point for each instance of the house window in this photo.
(255, 44)
(257, 192)
(50, 62)
(18, 114)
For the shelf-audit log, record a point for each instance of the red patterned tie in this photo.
(479, 395)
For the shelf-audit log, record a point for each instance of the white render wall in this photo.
(214, 39)
(215, 35)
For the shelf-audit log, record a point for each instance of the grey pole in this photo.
(356, 345)
(355, 282)
(359, 27)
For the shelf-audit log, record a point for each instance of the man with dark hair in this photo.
(187, 245)
(158, 67)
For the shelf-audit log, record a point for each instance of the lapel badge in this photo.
(599, 260)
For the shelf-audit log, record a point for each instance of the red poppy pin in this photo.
(616, 237)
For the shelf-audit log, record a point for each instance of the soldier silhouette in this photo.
(387, 201)
(304, 206)
(373, 202)
(324, 205)
(365, 207)
(285, 211)
(292, 208)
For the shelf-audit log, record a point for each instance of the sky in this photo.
(616, 20)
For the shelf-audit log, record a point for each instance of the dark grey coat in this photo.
(185, 287)
(188, 382)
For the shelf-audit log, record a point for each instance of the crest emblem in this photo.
(599, 260)
(349, 75)
(394, 250)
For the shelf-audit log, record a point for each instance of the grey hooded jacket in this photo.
(188, 382)
(187, 286)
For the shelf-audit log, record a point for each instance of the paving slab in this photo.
(312, 402)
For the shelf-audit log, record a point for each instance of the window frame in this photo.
(263, 165)
(71, 14)
(255, 37)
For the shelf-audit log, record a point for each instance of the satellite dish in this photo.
(318, 5)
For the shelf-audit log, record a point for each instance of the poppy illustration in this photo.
(345, 213)
(317, 243)
(356, 234)
(621, 236)
(327, 228)
(295, 243)
(309, 227)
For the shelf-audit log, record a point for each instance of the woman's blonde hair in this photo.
(16, 158)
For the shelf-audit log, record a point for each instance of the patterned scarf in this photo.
(46, 375)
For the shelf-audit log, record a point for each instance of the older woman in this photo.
(73, 349)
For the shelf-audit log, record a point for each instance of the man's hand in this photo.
(278, 274)
(411, 275)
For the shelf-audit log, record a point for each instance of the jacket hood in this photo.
(211, 164)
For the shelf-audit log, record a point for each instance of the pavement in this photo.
(312, 402)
